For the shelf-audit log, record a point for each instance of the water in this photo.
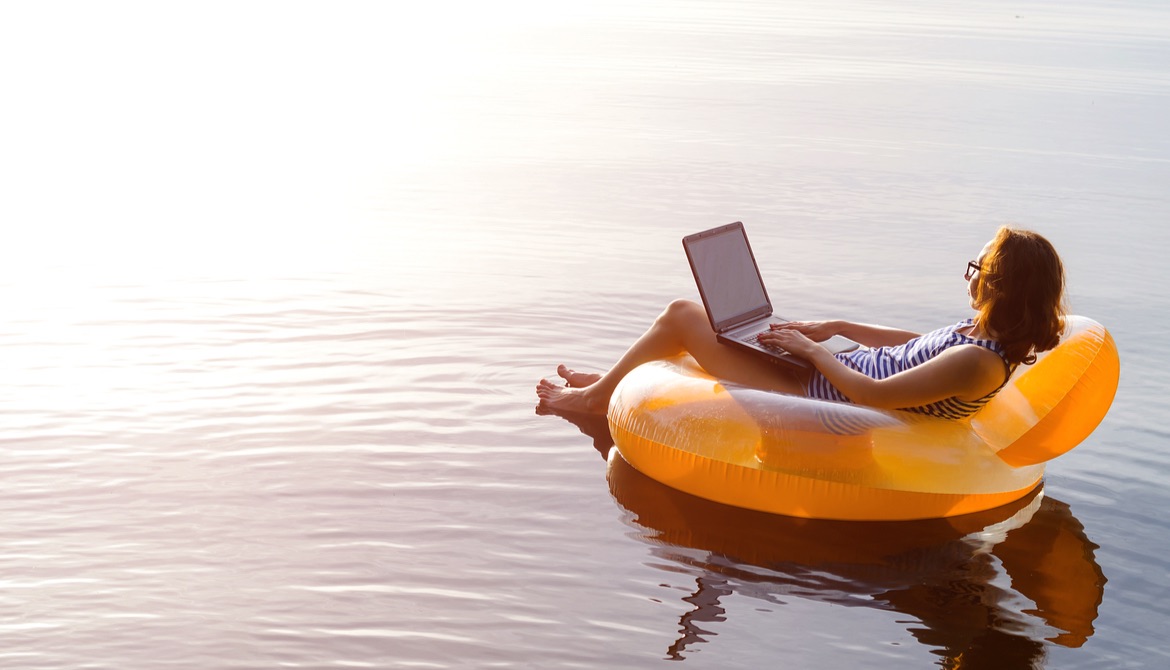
(278, 282)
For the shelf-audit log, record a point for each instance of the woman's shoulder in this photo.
(966, 350)
(972, 335)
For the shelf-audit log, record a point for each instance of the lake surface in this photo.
(278, 282)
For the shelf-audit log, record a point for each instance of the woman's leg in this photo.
(682, 327)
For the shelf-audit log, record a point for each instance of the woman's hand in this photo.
(817, 331)
(792, 339)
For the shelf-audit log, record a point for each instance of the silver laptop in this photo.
(733, 292)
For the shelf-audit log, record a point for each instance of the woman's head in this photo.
(1019, 293)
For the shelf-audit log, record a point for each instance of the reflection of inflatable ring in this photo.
(911, 567)
(811, 458)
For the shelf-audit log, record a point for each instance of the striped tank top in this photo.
(885, 362)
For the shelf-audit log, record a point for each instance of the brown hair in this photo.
(1020, 294)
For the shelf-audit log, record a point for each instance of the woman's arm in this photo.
(861, 333)
(966, 371)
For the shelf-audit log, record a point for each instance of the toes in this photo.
(548, 390)
(566, 373)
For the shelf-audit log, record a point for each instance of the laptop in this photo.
(733, 293)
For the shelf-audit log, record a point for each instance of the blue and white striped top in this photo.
(885, 362)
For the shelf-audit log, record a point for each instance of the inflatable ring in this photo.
(810, 458)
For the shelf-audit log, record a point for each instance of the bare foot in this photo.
(569, 399)
(577, 379)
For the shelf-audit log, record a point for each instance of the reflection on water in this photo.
(986, 590)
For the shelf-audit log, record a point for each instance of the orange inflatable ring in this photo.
(817, 459)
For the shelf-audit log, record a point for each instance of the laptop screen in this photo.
(727, 274)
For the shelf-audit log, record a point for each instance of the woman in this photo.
(1016, 287)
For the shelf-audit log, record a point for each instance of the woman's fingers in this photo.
(789, 339)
